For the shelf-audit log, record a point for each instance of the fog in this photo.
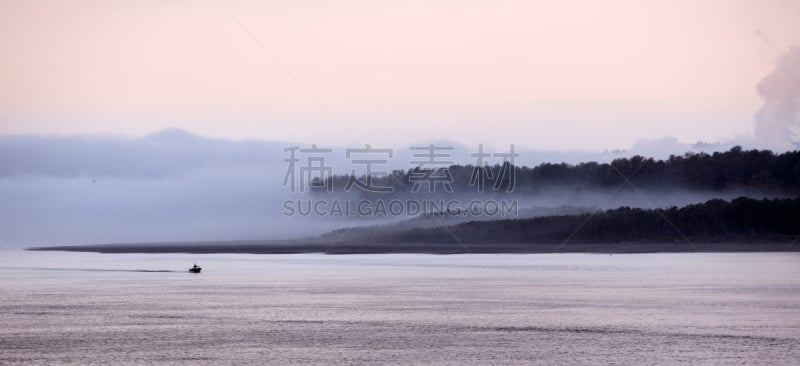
(168, 186)
(176, 186)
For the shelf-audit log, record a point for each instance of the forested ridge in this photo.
(733, 169)
(717, 220)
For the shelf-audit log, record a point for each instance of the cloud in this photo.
(157, 155)
(778, 119)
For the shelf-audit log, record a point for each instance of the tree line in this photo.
(720, 220)
(736, 168)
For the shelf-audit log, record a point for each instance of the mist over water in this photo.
(177, 186)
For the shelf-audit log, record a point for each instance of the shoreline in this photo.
(299, 247)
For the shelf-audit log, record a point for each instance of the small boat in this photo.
(195, 269)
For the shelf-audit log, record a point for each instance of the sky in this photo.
(127, 121)
(554, 75)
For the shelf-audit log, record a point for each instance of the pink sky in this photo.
(555, 75)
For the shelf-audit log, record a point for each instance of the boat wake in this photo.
(97, 270)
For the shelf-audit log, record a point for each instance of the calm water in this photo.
(79, 308)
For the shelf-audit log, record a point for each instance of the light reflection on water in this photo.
(550, 309)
